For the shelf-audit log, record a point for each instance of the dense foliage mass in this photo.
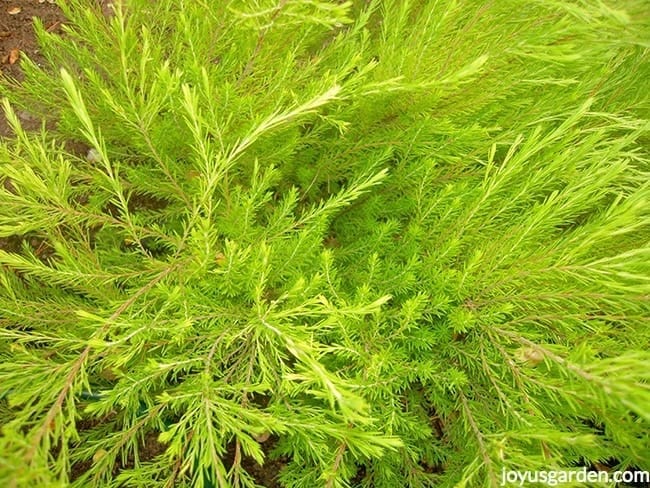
(383, 243)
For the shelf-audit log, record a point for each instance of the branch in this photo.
(179, 462)
(481, 441)
(554, 357)
(260, 42)
(337, 463)
(78, 364)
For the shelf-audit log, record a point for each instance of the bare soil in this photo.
(17, 40)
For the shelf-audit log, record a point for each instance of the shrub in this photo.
(375, 243)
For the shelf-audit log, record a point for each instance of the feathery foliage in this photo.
(387, 243)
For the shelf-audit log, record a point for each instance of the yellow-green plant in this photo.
(384, 243)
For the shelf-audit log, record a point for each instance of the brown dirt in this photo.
(17, 32)
(17, 40)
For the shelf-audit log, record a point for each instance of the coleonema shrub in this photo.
(370, 243)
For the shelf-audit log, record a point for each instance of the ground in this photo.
(17, 39)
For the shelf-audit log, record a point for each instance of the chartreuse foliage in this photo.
(406, 241)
